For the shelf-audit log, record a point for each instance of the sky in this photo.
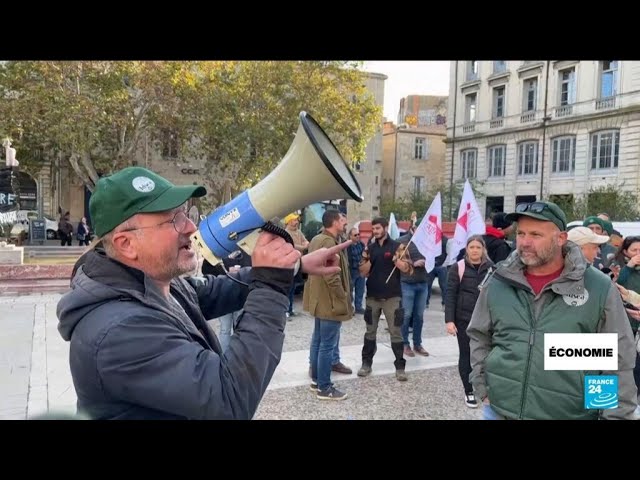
(409, 78)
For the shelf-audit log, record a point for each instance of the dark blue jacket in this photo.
(136, 355)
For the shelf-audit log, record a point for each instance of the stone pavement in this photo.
(35, 377)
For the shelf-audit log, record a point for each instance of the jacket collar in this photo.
(570, 281)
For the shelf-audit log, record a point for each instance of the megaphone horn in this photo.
(311, 171)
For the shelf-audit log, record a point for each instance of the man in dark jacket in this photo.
(140, 345)
(545, 287)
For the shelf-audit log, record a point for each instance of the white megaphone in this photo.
(312, 171)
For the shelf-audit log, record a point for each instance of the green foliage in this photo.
(240, 117)
(620, 205)
(449, 194)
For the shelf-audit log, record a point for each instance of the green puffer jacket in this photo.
(507, 340)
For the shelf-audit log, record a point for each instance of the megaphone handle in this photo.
(278, 230)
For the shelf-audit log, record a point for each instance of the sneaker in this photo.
(408, 352)
(470, 400)
(421, 351)
(331, 393)
(341, 368)
(401, 376)
(364, 371)
(314, 386)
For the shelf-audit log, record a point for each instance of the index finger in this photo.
(338, 248)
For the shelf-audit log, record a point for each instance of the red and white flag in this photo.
(469, 223)
(428, 235)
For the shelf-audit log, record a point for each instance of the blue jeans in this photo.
(357, 284)
(291, 294)
(326, 334)
(226, 328)
(335, 357)
(414, 299)
(489, 413)
(441, 273)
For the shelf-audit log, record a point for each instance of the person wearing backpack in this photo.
(464, 278)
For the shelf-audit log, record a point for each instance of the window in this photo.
(608, 78)
(563, 154)
(528, 158)
(530, 94)
(468, 160)
(472, 70)
(420, 148)
(470, 105)
(418, 184)
(499, 66)
(497, 157)
(567, 86)
(498, 102)
(376, 179)
(605, 147)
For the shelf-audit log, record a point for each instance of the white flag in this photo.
(393, 231)
(428, 235)
(469, 223)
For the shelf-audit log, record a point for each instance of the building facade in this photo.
(369, 172)
(530, 130)
(414, 150)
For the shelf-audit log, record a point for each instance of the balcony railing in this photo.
(605, 103)
(563, 111)
(523, 119)
(527, 117)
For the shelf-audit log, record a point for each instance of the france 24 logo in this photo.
(600, 392)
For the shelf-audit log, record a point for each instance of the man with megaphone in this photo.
(140, 344)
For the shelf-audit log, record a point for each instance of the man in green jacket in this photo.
(546, 286)
(328, 299)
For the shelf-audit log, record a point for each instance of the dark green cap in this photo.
(545, 211)
(133, 190)
(593, 220)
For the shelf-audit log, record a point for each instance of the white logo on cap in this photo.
(143, 184)
(576, 300)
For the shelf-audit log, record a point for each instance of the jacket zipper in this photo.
(532, 337)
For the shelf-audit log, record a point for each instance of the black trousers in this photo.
(464, 360)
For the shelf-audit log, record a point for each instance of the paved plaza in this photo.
(35, 377)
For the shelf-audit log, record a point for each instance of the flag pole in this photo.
(401, 255)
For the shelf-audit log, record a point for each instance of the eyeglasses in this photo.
(180, 221)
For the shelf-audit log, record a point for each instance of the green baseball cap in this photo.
(595, 220)
(545, 211)
(133, 190)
